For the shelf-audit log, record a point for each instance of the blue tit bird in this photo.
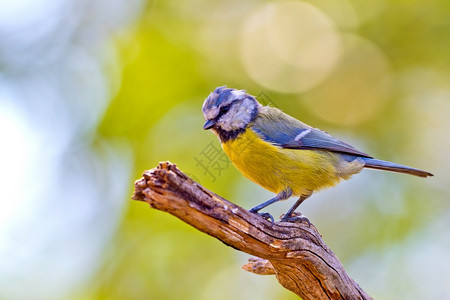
(281, 153)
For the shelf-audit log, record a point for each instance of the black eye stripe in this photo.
(223, 110)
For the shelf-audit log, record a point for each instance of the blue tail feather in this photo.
(390, 166)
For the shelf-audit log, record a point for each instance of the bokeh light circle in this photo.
(289, 46)
(357, 89)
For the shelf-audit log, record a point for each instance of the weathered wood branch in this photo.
(294, 252)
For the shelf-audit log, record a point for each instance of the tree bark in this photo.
(294, 252)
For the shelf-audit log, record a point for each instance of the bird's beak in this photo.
(209, 124)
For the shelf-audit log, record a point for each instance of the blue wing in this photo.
(285, 131)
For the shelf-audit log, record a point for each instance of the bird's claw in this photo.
(295, 217)
(266, 216)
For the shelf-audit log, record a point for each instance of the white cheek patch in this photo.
(226, 121)
(238, 117)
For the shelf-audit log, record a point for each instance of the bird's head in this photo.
(229, 111)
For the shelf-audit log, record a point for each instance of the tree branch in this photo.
(294, 252)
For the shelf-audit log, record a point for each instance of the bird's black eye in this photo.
(224, 110)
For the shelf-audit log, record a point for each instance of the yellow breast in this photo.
(276, 169)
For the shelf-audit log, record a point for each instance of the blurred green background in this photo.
(93, 92)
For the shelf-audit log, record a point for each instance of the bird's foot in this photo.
(266, 216)
(295, 217)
